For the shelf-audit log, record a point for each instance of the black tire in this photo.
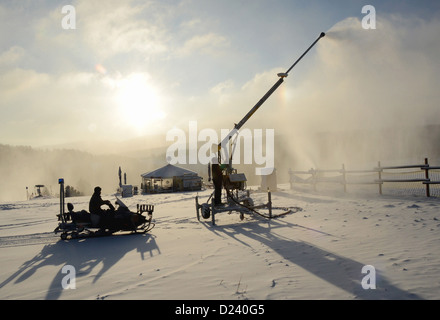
(206, 211)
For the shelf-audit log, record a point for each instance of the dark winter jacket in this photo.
(96, 202)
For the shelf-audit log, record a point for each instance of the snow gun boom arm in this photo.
(262, 100)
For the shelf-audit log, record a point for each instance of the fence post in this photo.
(428, 193)
(269, 198)
(343, 178)
(291, 178)
(380, 177)
(313, 178)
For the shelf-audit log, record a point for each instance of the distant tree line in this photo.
(22, 166)
(72, 192)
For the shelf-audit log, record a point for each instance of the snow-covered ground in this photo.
(316, 253)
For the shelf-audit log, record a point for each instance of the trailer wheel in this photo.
(206, 211)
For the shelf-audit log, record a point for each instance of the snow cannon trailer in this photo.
(82, 224)
(225, 177)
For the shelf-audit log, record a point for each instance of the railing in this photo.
(376, 176)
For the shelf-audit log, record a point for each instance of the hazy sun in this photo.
(139, 102)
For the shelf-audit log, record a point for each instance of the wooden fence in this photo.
(425, 177)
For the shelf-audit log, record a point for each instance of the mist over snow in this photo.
(379, 86)
(365, 96)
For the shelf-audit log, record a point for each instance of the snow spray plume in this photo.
(369, 96)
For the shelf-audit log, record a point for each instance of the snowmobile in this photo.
(80, 224)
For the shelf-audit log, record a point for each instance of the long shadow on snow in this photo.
(84, 255)
(342, 272)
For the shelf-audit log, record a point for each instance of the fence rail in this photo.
(345, 177)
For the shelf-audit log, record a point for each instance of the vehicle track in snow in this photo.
(23, 224)
(29, 239)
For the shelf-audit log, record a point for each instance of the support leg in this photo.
(213, 212)
(198, 208)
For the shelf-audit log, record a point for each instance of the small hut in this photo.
(170, 179)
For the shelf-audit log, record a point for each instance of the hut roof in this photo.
(168, 171)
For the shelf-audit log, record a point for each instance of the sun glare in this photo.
(139, 103)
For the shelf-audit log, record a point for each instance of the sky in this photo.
(141, 68)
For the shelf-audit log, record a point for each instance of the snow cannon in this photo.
(227, 178)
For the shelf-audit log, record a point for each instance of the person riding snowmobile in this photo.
(95, 204)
